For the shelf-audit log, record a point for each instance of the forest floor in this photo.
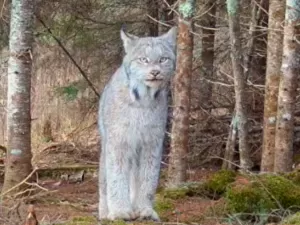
(66, 193)
(62, 202)
(75, 202)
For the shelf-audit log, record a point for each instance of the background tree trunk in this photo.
(288, 88)
(181, 96)
(166, 15)
(274, 58)
(232, 135)
(239, 83)
(18, 163)
(153, 12)
(228, 163)
(207, 56)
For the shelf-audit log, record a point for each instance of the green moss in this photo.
(184, 190)
(163, 206)
(248, 199)
(86, 220)
(186, 9)
(175, 193)
(115, 222)
(263, 194)
(292, 220)
(69, 92)
(232, 6)
(293, 176)
(219, 181)
(214, 187)
(282, 190)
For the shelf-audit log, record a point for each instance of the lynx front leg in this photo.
(148, 180)
(117, 175)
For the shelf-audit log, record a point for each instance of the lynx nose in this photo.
(155, 73)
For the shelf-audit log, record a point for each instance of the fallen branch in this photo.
(19, 184)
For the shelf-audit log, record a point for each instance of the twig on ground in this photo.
(19, 184)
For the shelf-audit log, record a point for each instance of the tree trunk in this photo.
(166, 15)
(207, 54)
(274, 58)
(288, 88)
(228, 163)
(182, 84)
(153, 12)
(233, 7)
(255, 17)
(18, 163)
(232, 136)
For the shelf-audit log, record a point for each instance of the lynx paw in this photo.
(103, 212)
(122, 214)
(147, 214)
(103, 215)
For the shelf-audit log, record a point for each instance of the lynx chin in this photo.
(132, 123)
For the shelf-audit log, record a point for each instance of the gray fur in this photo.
(132, 121)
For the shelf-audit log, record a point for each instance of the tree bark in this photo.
(166, 15)
(232, 135)
(274, 59)
(153, 12)
(182, 84)
(18, 163)
(233, 8)
(288, 88)
(255, 17)
(228, 163)
(207, 54)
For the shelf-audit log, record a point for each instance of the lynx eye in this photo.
(163, 59)
(144, 60)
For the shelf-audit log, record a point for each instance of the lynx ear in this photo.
(171, 36)
(127, 39)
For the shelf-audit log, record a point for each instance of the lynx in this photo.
(132, 123)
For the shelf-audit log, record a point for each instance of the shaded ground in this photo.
(61, 199)
(65, 202)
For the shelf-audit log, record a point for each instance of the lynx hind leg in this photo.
(148, 180)
(118, 179)
(103, 209)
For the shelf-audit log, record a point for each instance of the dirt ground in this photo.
(64, 202)
(61, 201)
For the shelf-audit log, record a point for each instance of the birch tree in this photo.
(274, 59)
(18, 163)
(233, 9)
(288, 88)
(181, 95)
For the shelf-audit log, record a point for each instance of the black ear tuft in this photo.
(123, 27)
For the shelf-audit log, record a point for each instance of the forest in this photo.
(232, 141)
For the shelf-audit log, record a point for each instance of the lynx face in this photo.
(150, 60)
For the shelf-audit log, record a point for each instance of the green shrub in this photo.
(248, 199)
(218, 182)
(263, 194)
